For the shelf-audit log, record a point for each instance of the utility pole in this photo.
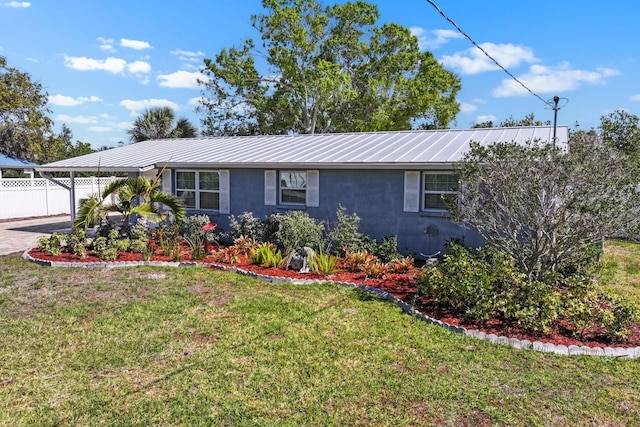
(555, 107)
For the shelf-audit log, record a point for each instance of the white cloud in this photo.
(106, 45)
(76, 119)
(467, 108)
(69, 101)
(181, 79)
(195, 101)
(110, 64)
(16, 4)
(473, 61)
(122, 125)
(82, 63)
(486, 118)
(135, 44)
(100, 129)
(139, 67)
(546, 79)
(434, 38)
(139, 105)
(188, 56)
(635, 97)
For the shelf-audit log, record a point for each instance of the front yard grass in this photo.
(192, 346)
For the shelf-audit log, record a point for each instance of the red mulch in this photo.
(401, 286)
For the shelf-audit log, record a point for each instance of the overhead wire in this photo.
(444, 15)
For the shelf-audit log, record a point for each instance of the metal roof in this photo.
(405, 149)
(7, 162)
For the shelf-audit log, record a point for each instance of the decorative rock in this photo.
(492, 338)
(502, 340)
(636, 353)
(537, 346)
(481, 335)
(575, 350)
(622, 352)
(596, 351)
(525, 344)
(515, 342)
(609, 351)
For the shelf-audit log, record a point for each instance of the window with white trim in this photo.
(199, 189)
(293, 187)
(439, 189)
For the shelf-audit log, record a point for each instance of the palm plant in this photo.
(136, 196)
(158, 123)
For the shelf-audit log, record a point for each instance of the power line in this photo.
(485, 52)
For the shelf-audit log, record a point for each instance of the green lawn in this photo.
(192, 346)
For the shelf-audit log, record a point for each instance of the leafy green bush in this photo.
(345, 233)
(325, 263)
(387, 250)
(489, 285)
(296, 230)
(266, 255)
(246, 225)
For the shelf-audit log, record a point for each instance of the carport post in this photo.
(72, 196)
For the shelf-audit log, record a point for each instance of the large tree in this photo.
(23, 114)
(621, 129)
(61, 146)
(546, 205)
(326, 69)
(158, 123)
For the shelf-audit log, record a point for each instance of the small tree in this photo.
(136, 196)
(546, 205)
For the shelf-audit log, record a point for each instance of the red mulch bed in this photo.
(401, 286)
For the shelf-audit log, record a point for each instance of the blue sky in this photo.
(102, 63)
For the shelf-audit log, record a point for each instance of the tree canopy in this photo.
(528, 120)
(23, 114)
(545, 206)
(621, 130)
(158, 123)
(327, 69)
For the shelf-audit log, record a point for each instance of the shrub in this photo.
(246, 225)
(325, 263)
(166, 236)
(357, 261)
(345, 233)
(138, 245)
(296, 230)
(388, 249)
(267, 255)
(375, 270)
(400, 265)
(489, 285)
(228, 255)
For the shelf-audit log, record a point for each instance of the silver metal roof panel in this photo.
(348, 150)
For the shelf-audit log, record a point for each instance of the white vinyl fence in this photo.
(25, 197)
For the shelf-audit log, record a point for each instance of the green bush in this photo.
(388, 249)
(246, 225)
(485, 285)
(325, 263)
(345, 233)
(296, 230)
(266, 255)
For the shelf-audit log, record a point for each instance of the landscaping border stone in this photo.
(572, 350)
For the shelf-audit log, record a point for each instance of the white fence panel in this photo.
(25, 197)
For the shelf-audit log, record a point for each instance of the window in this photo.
(293, 187)
(199, 189)
(439, 190)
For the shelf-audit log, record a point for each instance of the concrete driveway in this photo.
(20, 235)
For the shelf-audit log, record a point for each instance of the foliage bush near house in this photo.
(345, 233)
(297, 229)
(246, 225)
(487, 284)
(267, 255)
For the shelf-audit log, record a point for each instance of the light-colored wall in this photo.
(375, 195)
(23, 197)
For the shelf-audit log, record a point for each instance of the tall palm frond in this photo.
(157, 123)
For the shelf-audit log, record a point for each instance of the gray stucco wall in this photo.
(375, 195)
